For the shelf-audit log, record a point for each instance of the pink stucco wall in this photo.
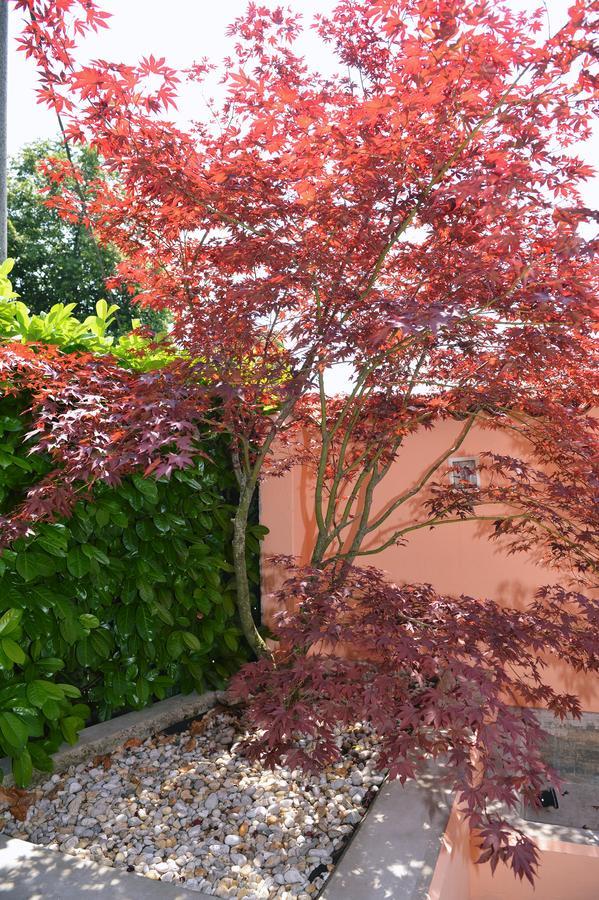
(451, 876)
(567, 871)
(455, 558)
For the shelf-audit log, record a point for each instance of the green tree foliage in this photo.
(136, 350)
(132, 598)
(59, 260)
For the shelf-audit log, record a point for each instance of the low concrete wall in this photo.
(573, 746)
(107, 736)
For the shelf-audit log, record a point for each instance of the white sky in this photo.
(181, 30)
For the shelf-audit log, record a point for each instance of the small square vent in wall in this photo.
(464, 470)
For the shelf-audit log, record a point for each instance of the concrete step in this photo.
(31, 872)
(395, 849)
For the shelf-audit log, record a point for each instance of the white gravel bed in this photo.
(189, 809)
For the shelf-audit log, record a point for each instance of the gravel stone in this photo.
(193, 811)
(211, 802)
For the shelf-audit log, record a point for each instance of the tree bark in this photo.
(244, 597)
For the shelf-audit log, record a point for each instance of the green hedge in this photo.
(128, 601)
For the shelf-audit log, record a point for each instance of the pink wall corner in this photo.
(567, 871)
(451, 876)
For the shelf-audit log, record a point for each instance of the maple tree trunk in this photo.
(244, 598)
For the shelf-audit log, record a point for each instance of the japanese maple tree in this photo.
(418, 217)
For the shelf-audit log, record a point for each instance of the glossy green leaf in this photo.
(125, 620)
(70, 727)
(13, 731)
(147, 487)
(51, 710)
(69, 690)
(164, 614)
(96, 553)
(101, 643)
(78, 563)
(13, 651)
(39, 691)
(174, 644)
(22, 768)
(31, 564)
(231, 640)
(9, 621)
(143, 622)
(40, 758)
(191, 641)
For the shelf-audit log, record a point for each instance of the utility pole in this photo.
(3, 125)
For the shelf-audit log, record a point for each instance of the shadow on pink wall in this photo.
(456, 559)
